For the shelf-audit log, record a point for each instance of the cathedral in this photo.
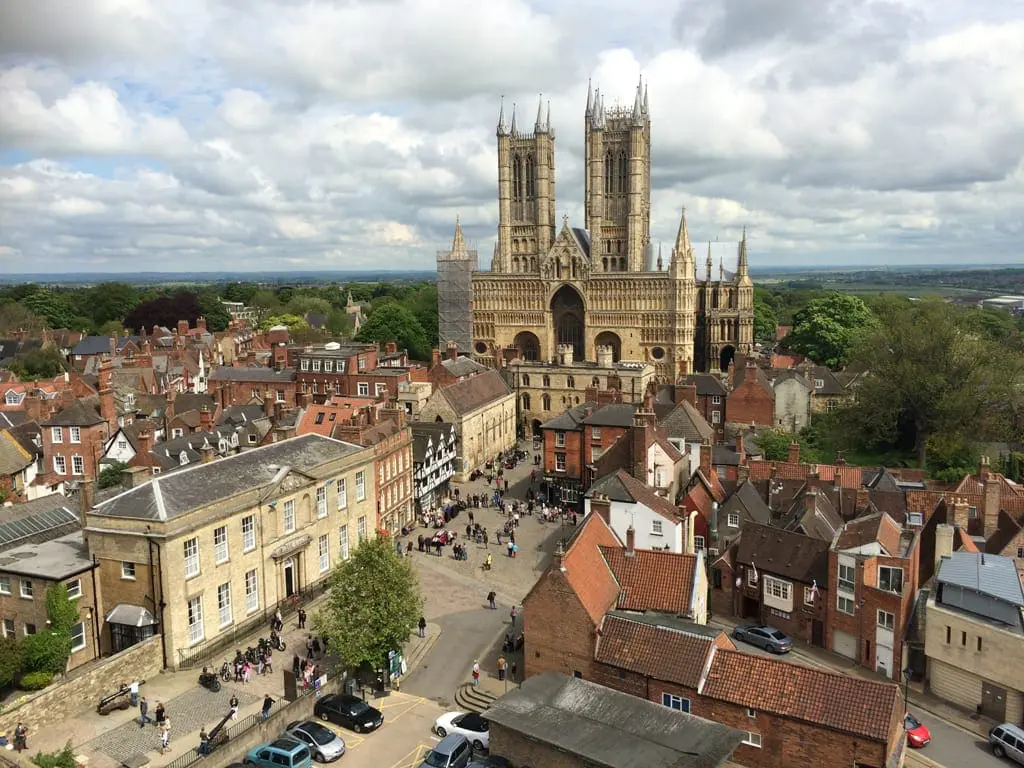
(599, 287)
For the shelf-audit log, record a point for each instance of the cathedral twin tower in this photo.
(594, 286)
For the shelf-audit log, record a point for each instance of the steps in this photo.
(473, 699)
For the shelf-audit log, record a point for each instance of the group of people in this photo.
(161, 720)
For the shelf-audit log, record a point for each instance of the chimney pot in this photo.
(793, 456)
(630, 542)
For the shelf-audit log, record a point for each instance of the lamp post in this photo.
(907, 674)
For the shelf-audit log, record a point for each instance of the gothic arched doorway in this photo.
(609, 339)
(727, 355)
(568, 315)
(528, 345)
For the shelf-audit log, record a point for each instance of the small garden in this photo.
(33, 661)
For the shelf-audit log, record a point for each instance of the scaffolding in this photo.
(455, 293)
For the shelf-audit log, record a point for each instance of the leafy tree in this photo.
(339, 323)
(242, 292)
(15, 316)
(828, 329)
(107, 301)
(993, 324)
(390, 321)
(423, 304)
(165, 311)
(929, 374)
(61, 610)
(774, 444)
(302, 305)
(294, 323)
(373, 604)
(63, 759)
(765, 320)
(217, 317)
(11, 657)
(111, 328)
(47, 651)
(41, 363)
(266, 300)
(56, 308)
(110, 475)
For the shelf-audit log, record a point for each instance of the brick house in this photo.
(711, 396)
(346, 370)
(452, 368)
(74, 438)
(596, 574)
(234, 386)
(17, 469)
(873, 573)
(751, 400)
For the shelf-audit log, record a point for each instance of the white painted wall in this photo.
(641, 518)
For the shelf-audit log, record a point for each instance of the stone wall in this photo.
(81, 689)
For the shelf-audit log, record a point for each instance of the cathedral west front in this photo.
(599, 287)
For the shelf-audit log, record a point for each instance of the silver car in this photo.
(325, 746)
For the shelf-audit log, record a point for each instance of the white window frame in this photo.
(559, 439)
(341, 488)
(128, 570)
(657, 528)
(559, 462)
(752, 739)
(316, 366)
(9, 630)
(716, 417)
(777, 588)
(190, 550)
(819, 383)
(328, 366)
(252, 591)
(224, 604)
(288, 516)
(122, 444)
(75, 434)
(56, 434)
(808, 595)
(25, 588)
(78, 637)
(249, 536)
(5, 585)
(12, 398)
(698, 543)
(343, 549)
(194, 619)
(732, 520)
(716, 399)
(77, 465)
(673, 701)
(886, 620)
(304, 364)
(360, 486)
(60, 465)
(280, 396)
(361, 528)
(74, 588)
(891, 569)
(849, 581)
(221, 552)
(752, 577)
(845, 605)
(379, 388)
(324, 544)
(595, 433)
(363, 389)
(321, 502)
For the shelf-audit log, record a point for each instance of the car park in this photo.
(469, 724)
(453, 751)
(280, 753)
(349, 712)
(325, 746)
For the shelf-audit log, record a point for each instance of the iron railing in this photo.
(199, 654)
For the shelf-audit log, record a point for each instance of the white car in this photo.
(469, 724)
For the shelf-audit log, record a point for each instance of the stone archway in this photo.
(569, 319)
(610, 339)
(726, 356)
(528, 345)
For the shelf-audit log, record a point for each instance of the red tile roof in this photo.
(587, 572)
(783, 470)
(652, 580)
(330, 415)
(666, 654)
(850, 704)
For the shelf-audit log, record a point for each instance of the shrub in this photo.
(47, 651)
(35, 681)
(63, 759)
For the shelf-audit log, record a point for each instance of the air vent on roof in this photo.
(332, 346)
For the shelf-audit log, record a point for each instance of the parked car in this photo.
(468, 724)
(349, 712)
(452, 751)
(1007, 740)
(280, 753)
(769, 638)
(917, 733)
(324, 744)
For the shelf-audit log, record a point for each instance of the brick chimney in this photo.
(183, 327)
(811, 500)
(983, 469)
(453, 350)
(630, 542)
(601, 506)
(207, 454)
(558, 557)
(990, 505)
(132, 477)
(206, 419)
(305, 400)
(201, 323)
(705, 458)
(793, 456)
(145, 441)
(741, 452)
(112, 346)
(156, 331)
(813, 480)
(390, 348)
(33, 407)
(863, 499)
(943, 543)
(638, 448)
(435, 358)
(278, 411)
(687, 392)
(86, 491)
(961, 513)
(108, 410)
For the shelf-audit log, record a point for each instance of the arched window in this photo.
(546, 402)
(570, 382)
(526, 401)
(517, 178)
(546, 381)
(515, 263)
(595, 382)
(604, 263)
(609, 171)
(531, 178)
(623, 172)
(526, 380)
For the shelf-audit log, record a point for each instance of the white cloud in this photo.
(218, 134)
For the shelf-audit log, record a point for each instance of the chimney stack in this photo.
(687, 392)
(108, 409)
(639, 437)
(602, 507)
(740, 451)
(86, 491)
(811, 500)
(207, 454)
(793, 456)
(630, 542)
(559, 556)
(145, 440)
(863, 500)
(132, 477)
(435, 358)
(183, 327)
(201, 323)
(453, 350)
(205, 419)
(990, 506)
(943, 543)
(705, 458)
(112, 345)
(983, 468)
(961, 513)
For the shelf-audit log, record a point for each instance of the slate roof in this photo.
(819, 519)
(747, 503)
(193, 401)
(707, 385)
(13, 458)
(92, 345)
(851, 705)
(241, 414)
(570, 419)
(831, 385)
(684, 422)
(423, 432)
(582, 238)
(652, 580)
(990, 575)
(475, 392)
(462, 366)
(622, 486)
(256, 373)
(784, 553)
(664, 653)
(34, 521)
(608, 728)
(612, 415)
(78, 414)
(178, 493)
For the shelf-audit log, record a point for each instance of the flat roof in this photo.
(54, 560)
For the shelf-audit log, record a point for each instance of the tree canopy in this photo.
(294, 323)
(110, 475)
(40, 363)
(391, 321)
(165, 311)
(765, 320)
(373, 604)
(829, 328)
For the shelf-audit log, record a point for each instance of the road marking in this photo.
(406, 699)
(408, 707)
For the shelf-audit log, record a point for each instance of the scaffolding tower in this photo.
(455, 293)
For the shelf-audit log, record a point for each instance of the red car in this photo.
(917, 733)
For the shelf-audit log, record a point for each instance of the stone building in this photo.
(599, 284)
(215, 548)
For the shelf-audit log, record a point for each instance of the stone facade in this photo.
(82, 689)
(599, 285)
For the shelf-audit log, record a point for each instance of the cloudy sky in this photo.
(347, 134)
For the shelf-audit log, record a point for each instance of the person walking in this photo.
(296, 665)
(512, 615)
(309, 647)
(133, 691)
(165, 734)
(316, 647)
(21, 737)
(501, 667)
(512, 671)
(490, 599)
(302, 619)
(161, 714)
(233, 705)
(144, 713)
(267, 704)
(476, 674)
(423, 627)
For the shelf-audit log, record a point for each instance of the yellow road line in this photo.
(413, 758)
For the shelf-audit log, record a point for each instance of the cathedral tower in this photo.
(683, 301)
(526, 192)
(617, 195)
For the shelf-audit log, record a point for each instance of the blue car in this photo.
(280, 753)
(768, 638)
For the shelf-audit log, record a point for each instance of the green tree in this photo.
(828, 328)
(11, 657)
(267, 301)
(217, 317)
(15, 316)
(294, 323)
(373, 604)
(929, 373)
(107, 301)
(765, 321)
(47, 651)
(302, 305)
(63, 759)
(339, 323)
(61, 610)
(110, 475)
(242, 292)
(56, 308)
(390, 321)
(41, 363)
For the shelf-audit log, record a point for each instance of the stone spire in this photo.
(539, 126)
(709, 262)
(683, 248)
(659, 258)
(646, 111)
(741, 261)
(502, 128)
(459, 241)
(547, 117)
(513, 130)
(596, 116)
(638, 115)
(590, 98)
(721, 269)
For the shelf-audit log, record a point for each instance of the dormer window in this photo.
(819, 383)
(183, 458)
(304, 364)
(12, 397)
(316, 365)
(328, 366)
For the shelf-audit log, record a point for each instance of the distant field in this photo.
(902, 290)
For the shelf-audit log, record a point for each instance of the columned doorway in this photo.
(568, 318)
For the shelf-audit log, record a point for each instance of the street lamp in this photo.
(907, 674)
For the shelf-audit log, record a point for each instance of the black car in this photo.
(349, 712)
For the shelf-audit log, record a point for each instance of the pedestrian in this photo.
(133, 691)
(501, 667)
(470, 518)
(309, 646)
(512, 671)
(515, 519)
(21, 737)
(204, 742)
(510, 545)
(316, 647)
(423, 627)
(512, 615)
(302, 619)
(323, 642)
(490, 599)
(267, 704)
(165, 734)
(144, 713)
(161, 714)
(476, 673)
(233, 705)
(296, 665)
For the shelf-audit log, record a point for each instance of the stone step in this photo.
(473, 699)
